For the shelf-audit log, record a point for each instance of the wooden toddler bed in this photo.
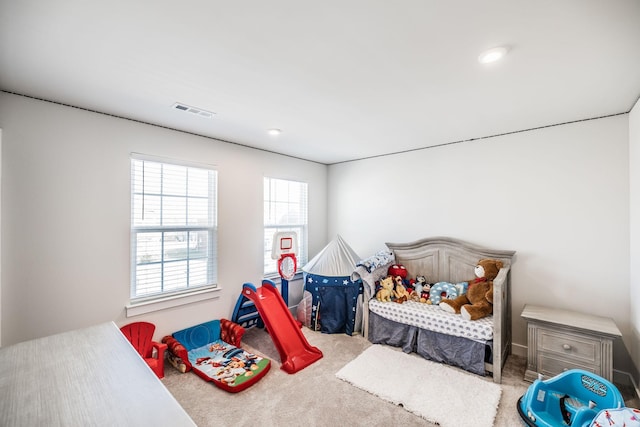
(479, 346)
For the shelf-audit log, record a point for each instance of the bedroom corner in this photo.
(634, 236)
(0, 237)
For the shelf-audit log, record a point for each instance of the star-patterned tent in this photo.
(334, 296)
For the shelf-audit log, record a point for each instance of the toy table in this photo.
(86, 377)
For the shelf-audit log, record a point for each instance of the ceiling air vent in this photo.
(193, 110)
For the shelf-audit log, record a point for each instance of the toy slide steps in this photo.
(295, 351)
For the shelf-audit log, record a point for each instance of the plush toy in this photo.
(442, 291)
(419, 284)
(414, 296)
(397, 270)
(422, 288)
(409, 284)
(400, 291)
(386, 289)
(478, 301)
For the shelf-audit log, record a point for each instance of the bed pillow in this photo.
(379, 259)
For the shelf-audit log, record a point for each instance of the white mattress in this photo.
(433, 318)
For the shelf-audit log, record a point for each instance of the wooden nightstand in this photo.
(559, 340)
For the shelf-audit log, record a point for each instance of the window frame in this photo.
(138, 298)
(269, 229)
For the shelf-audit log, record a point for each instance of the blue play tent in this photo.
(334, 297)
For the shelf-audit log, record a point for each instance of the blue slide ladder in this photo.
(245, 312)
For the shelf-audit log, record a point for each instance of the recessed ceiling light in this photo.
(492, 55)
(274, 132)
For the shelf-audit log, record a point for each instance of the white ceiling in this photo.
(344, 79)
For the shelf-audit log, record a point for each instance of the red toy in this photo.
(212, 350)
(397, 270)
(140, 336)
(295, 351)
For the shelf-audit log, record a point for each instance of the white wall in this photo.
(0, 238)
(65, 216)
(559, 196)
(634, 191)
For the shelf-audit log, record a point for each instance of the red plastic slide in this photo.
(295, 351)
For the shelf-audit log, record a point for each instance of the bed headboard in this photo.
(444, 258)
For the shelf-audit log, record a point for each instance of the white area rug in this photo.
(433, 391)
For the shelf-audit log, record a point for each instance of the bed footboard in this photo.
(501, 323)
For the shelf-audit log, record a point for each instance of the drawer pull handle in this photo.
(566, 346)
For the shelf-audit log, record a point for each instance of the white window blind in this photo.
(285, 209)
(173, 228)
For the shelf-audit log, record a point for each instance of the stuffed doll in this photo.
(419, 284)
(400, 291)
(425, 288)
(386, 289)
(478, 301)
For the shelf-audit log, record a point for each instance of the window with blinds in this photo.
(285, 209)
(173, 228)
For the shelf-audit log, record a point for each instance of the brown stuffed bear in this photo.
(478, 301)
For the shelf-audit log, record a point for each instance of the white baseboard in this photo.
(519, 349)
(625, 378)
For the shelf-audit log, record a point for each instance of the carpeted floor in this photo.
(368, 371)
(314, 396)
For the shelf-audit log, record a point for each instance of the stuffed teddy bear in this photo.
(478, 301)
(386, 289)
